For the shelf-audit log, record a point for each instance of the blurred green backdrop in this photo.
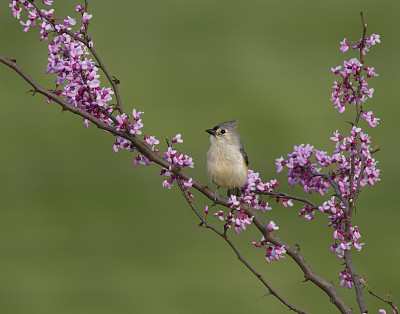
(83, 231)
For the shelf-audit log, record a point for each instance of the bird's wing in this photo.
(243, 152)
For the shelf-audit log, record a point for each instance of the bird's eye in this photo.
(223, 131)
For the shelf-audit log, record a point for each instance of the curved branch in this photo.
(387, 300)
(294, 253)
(290, 197)
(239, 256)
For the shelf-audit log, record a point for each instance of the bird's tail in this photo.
(234, 191)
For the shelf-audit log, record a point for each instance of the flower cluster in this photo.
(303, 168)
(78, 75)
(353, 87)
(252, 189)
(304, 171)
(179, 159)
(365, 43)
(346, 279)
(273, 252)
(124, 124)
(357, 147)
(236, 217)
(251, 196)
(343, 241)
(68, 59)
(307, 211)
(350, 166)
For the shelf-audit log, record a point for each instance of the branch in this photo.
(144, 149)
(387, 300)
(239, 256)
(353, 194)
(290, 197)
(356, 281)
(333, 185)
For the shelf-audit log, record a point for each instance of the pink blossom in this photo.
(79, 8)
(272, 226)
(233, 201)
(344, 45)
(177, 139)
(151, 140)
(187, 184)
(166, 184)
(86, 17)
(273, 253)
(280, 162)
(307, 211)
(336, 70)
(287, 202)
(16, 9)
(70, 21)
(337, 137)
(374, 39)
(27, 25)
(346, 279)
(136, 115)
(369, 117)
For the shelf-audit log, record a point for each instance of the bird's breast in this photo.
(226, 166)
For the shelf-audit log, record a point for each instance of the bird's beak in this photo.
(211, 131)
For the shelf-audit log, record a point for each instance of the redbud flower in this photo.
(369, 117)
(345, 45)
(374, 39)
(346, 279)
(86, 17)
(79, 8)
(337, 137)
(272, 226)
(177, 139)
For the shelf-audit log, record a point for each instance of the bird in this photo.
(227, 161)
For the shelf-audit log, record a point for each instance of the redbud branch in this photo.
(333, 185)
(356, 281)
(353, 194)
(387, 300)
(362, 44)
(239, 256)
(85, 41)
(144, 149)
(357, 192)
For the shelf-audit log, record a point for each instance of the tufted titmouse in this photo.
(226, 159)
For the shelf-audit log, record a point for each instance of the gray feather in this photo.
(246, 159)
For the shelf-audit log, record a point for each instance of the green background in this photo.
(83, 231)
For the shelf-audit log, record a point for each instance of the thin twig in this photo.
(239, 256)
(333, 185)
(387, 300)
(290, 197)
